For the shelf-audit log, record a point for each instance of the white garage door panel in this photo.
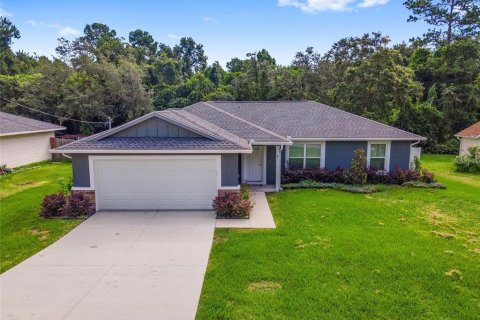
(158, 183)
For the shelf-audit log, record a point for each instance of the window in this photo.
(305, 155)
(378, 155)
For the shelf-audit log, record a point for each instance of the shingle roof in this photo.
(471, 132)
(148, 143)
(232, 123)
(229, 125)
(309, 119)
(11, 124)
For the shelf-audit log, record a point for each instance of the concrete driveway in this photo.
(115, 265)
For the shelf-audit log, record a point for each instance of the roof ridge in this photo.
(245, 121)
(166, 111)
(371, 120)
(181, 113)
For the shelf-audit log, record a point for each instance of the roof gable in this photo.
(155, 127)
(471, 132)
(11, 124)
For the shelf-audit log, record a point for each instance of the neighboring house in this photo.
(24, 140)
(469, 137)
(181, 158)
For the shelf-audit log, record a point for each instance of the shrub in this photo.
(65, 185)
(427, 176)
(232, 205)
(74, 205)
(79, 205)
(244, 191)
(358, 172)
(417, 164)
(469, 162)
(397, 176)
(53, 205)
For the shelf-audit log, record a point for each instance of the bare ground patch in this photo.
(264, 286)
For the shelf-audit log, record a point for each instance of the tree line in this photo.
(430, 86)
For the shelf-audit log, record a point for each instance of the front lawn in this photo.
(22, 232)
(398, 254)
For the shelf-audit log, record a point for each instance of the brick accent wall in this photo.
(88, 193)
(222, 191)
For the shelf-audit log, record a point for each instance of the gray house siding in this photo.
(271, 164)
(340, 153)
(81, 170)
(400, 154)
(230, 175)
(155, 128)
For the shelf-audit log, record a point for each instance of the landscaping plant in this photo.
(232, 205)
(469, 162)
(358, 167)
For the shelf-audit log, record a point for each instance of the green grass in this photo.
(399, 254)
(22, 232)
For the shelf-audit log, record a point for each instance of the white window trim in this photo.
(387, 153)
(305, 143)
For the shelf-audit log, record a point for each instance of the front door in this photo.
(254, 165)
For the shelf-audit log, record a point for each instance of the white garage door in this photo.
(151, 183)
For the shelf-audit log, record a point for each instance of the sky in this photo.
(226, 28)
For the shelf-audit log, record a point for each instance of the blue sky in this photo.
(226, 28)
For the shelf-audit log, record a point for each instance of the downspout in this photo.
(68, 157)
(411, 158)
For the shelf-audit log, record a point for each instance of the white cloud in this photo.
(5, 13)
(372, 3)
(173, 36)
(68, 31)
(54, 25)
(312, 6)
(33, 23)
(209, 19)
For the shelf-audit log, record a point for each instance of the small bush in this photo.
(245, 191)
(358, 172)
(232, 205)
(469, 162)
(346, 176)
(79, 205)
(417, 164)
(65, 185)
(74, 205)
(53, 205)
(427, 176)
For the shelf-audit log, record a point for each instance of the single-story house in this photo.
(182, 158)
(24, 140)
(469, 137)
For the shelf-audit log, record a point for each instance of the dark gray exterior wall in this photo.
(80, 168)
(229, 174)
(155, 128)
(400, 154)
(271, 165)
(340, 153)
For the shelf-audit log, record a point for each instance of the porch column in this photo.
(278, 167)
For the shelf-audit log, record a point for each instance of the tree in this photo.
(454, 19)
(354, 49)
(191, 55)
(8, 31)
(145, 46)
